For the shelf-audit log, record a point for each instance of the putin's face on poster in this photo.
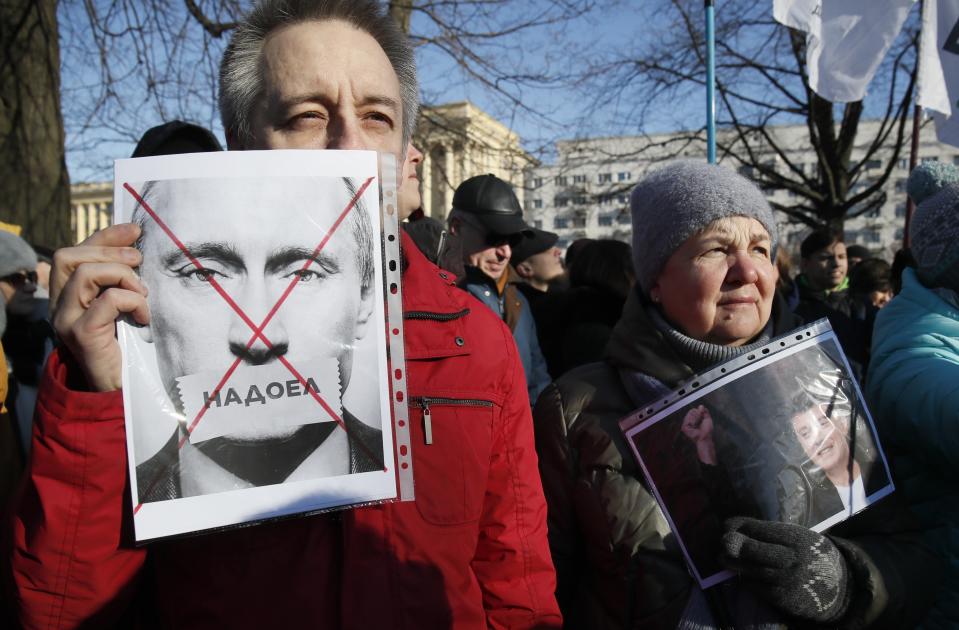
(254, 325)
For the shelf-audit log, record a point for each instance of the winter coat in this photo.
(913, 392)
(618, 565)
(469, 552)
(513, 308)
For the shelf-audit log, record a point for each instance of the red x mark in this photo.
(257, 330)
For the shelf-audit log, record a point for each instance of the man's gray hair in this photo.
(241, 83)
(357, 219)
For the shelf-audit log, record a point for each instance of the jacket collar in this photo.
(637, 345)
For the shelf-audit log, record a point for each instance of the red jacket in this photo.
(470, 552)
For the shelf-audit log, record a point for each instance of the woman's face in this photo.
(824, 440)
(719, 285)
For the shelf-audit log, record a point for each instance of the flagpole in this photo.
(914, 146)
(710, 82)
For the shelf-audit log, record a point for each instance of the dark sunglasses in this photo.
(20, 278)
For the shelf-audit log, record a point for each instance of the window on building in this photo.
(538, 224)
(624, 176)
(560, 180)
(537, 203)
(873, 214)
(579, 179)
(903, 164)
(901, 184)
(579, 200)
(560, 223)
(901, 211)
(955, 160)
(561, 202)
(579, 222)
(871, 235)
(623, 218)
(623, 199)
(605, 221)
(745, 171)
(931, 158)
(605, 178)
(900, 232)
(873, 164)
(537, 182)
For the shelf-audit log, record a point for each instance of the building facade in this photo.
(91, 208)
(585, 193)
(459, 141)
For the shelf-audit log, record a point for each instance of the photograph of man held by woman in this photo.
(782, 438)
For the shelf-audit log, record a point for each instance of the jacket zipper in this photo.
(436, 317)
(424, 402)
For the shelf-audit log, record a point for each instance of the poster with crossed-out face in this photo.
(260, 386)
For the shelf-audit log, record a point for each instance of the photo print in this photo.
(782, 434)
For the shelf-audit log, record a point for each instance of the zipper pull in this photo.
(427, 422)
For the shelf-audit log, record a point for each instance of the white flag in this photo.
(938, 88)
(846, 40)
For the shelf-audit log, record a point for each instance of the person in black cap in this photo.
(487, 220)
(538, 262)
(176, 137)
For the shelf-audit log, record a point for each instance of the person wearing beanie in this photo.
(913, 384)
(704, 244)
(25, 333)
(486, 221)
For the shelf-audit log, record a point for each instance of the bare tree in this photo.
(130, 64)
(762, 84)
(34, 186)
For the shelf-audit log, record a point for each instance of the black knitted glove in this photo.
(798, 571)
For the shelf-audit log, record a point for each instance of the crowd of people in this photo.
(530, 508)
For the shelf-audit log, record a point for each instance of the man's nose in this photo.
(344, 133)
(255, 303)
(504, 251)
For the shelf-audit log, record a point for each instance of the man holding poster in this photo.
(470, 552)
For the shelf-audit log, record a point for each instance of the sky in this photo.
(545, 114)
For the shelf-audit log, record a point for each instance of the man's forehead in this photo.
(299, 59)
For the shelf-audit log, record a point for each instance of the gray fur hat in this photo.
(934, 238)
(15, 254)
(681, 199)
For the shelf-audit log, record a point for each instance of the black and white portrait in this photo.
(265, 309)
(783, 438)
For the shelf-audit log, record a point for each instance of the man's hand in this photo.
(90, 286)
(698, 427)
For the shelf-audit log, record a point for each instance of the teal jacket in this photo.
(913, 391)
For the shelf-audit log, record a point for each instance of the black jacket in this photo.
(617, 563)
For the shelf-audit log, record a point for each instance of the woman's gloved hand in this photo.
(798, 571)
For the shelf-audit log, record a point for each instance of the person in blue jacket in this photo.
(913, 383)
(487, 220)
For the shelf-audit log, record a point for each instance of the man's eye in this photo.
(306, 120)
(199, 275)
(380, 118)
(306, 275)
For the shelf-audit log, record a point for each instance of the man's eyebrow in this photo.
(373, 99)
(283, 258)
(223, 253)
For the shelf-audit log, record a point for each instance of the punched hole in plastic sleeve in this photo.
(393, 292)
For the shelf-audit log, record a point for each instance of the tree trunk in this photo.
(402, 11)
(34, 184)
